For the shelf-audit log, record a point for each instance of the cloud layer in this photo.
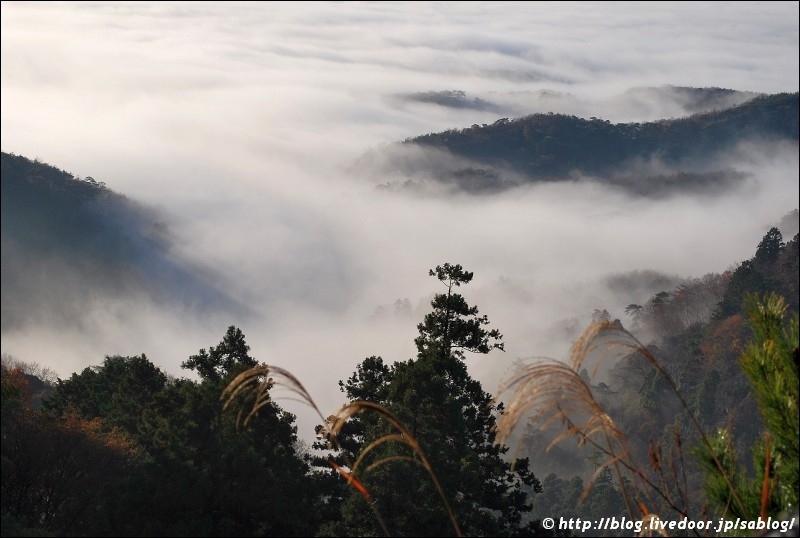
(238, 120)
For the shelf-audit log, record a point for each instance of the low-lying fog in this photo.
(238, 120)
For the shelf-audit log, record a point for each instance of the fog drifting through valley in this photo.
(239, 123)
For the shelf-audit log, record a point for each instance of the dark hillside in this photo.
(552, 147)
(65, 240)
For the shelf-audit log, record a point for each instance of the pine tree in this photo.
(452, 418)
(770, 362)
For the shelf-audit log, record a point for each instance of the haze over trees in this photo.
(125, 448)
(180, 465)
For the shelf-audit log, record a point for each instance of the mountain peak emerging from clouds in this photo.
(655, 158)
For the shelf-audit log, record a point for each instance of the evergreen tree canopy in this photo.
(770, 362)
(452, 418)
(214, 364)
(454, 326)
(195, 471)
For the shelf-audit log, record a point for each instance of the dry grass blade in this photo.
(347, 411)
(255, 380)
(385, 439)
(624, 339)
(260, 380)
(548, 391)
(588, 342)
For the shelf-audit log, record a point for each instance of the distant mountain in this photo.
(642, 103)
(650, 159)
(690, 100)
(453, 99)
(67, 241)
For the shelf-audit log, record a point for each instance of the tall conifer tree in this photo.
(452, 418)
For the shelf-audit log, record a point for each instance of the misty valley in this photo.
(676, 397)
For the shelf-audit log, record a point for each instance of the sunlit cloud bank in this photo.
(238, 121)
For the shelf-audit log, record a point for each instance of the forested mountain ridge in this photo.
(66, 239)
(552, 147)
(698, 332)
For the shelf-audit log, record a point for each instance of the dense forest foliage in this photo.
(558, 147)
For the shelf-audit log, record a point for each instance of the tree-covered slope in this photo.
(551, 147)
(65, 240)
